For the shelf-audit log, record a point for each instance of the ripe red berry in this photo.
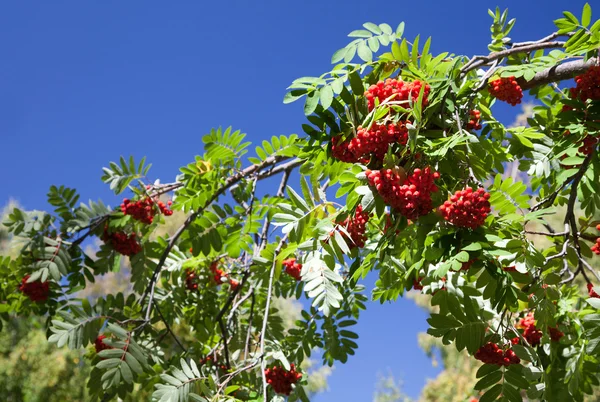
(474, 123)
(37, 291)
(100, 345)
(396, 91)
(467, 208)
(219, 276)
(356, 227)
(588, 85)
(234, 285)
(122, 243)
(292, 268)
(411, 196)
(373, 142)
(417, 284)
(191, 280)
(530, 332)
(591, 291)
(555, 334)
(467, 265)
(491, 353)
(506, 89)
(143, 210)
(282, 380)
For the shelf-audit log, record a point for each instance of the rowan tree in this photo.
(400, 176)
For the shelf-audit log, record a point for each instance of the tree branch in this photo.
(560, 72)
(263, 363)
(229, 182)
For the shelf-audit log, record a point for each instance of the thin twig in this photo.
(162, 317)
(229, 182)
(263, 364)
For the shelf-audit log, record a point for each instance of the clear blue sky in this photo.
(83, 82)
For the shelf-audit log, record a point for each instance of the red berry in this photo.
(506, 89)
(591, 291)
(281, 380)
(122, 243)
(219, 275)
(143, 210)
(412, 196)
(555, 334)
(530, 332)
(491, 353)
(588, 85)
(374, 141)
(394, 90)
(473, 123)
(37, 291)
(356, 227)
(467, 208)
(292, 268)
(100, 345)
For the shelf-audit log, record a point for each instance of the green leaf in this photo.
(326, 96)
(586, 15)
(312, 101)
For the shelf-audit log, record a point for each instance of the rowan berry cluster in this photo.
(588, 85)
(588, 144)
(396, 91)
(555, 334)
(122, 243)
(292, 268)
(143, 210)
(591, 291)
(530, 332)
(356, 227)
(467, 208)
(596, 246)
(374, 141)
(219, 275)
(281, 380)
(37, 291)
(100, 345)
(467, 265)
(410, 197)
(191, 280)
(491, 353)
(506, 89)
(474, 123)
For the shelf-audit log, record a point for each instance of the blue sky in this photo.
(84, 82)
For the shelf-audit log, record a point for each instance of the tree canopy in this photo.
(399, 173)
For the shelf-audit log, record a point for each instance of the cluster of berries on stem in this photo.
(100, 345)
(491, 353)
(37, 291)
(411, 197)
(530, 332)
(122, 243)
(596, 246)
(591, 291)
(555, 334)
(281, 380)
(143, 210)
(474, 124)
(292, 268)
(467, 208)
(506, 89)
(220, 276)
(191, 280)
(588, 85)
(374, 141)
(394, 90)
(356, 227)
